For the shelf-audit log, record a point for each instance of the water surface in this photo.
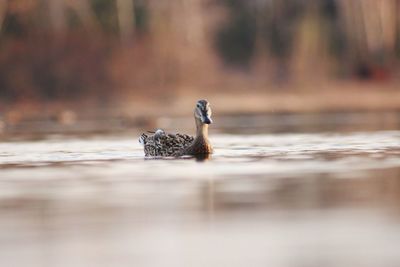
(277, 199)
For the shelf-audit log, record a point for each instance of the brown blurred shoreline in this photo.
(344, 96)
(143, 112)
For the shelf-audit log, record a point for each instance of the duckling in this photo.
(162, 144)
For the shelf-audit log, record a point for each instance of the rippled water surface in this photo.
(284, 199)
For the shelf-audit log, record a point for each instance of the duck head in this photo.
(202, 112)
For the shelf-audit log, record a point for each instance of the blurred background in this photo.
(305, 98)
(122, 58)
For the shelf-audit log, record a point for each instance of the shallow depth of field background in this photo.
(306, 108)
(129, 59)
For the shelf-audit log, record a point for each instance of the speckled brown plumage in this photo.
(161, 144)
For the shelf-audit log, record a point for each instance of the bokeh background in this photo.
(132, 58)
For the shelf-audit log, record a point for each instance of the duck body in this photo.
(162, 144)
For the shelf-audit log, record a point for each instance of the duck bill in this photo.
(206, 120)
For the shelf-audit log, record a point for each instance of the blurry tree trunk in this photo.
(388, 13)
(193, 21)
(164, 40)
(85, 13)
(126, 19)
(57, 15)
(3, 9)
(81, 7)
(311, 48)
(193, 42)
(397, 18)
(372, 24)
(351, 13)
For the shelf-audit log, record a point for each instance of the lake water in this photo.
(317, 196)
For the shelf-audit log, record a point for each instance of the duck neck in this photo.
(201, 130)
(200, 144)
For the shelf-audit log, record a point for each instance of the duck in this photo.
(162, 144)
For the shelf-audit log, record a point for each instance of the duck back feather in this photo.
(161, 144)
